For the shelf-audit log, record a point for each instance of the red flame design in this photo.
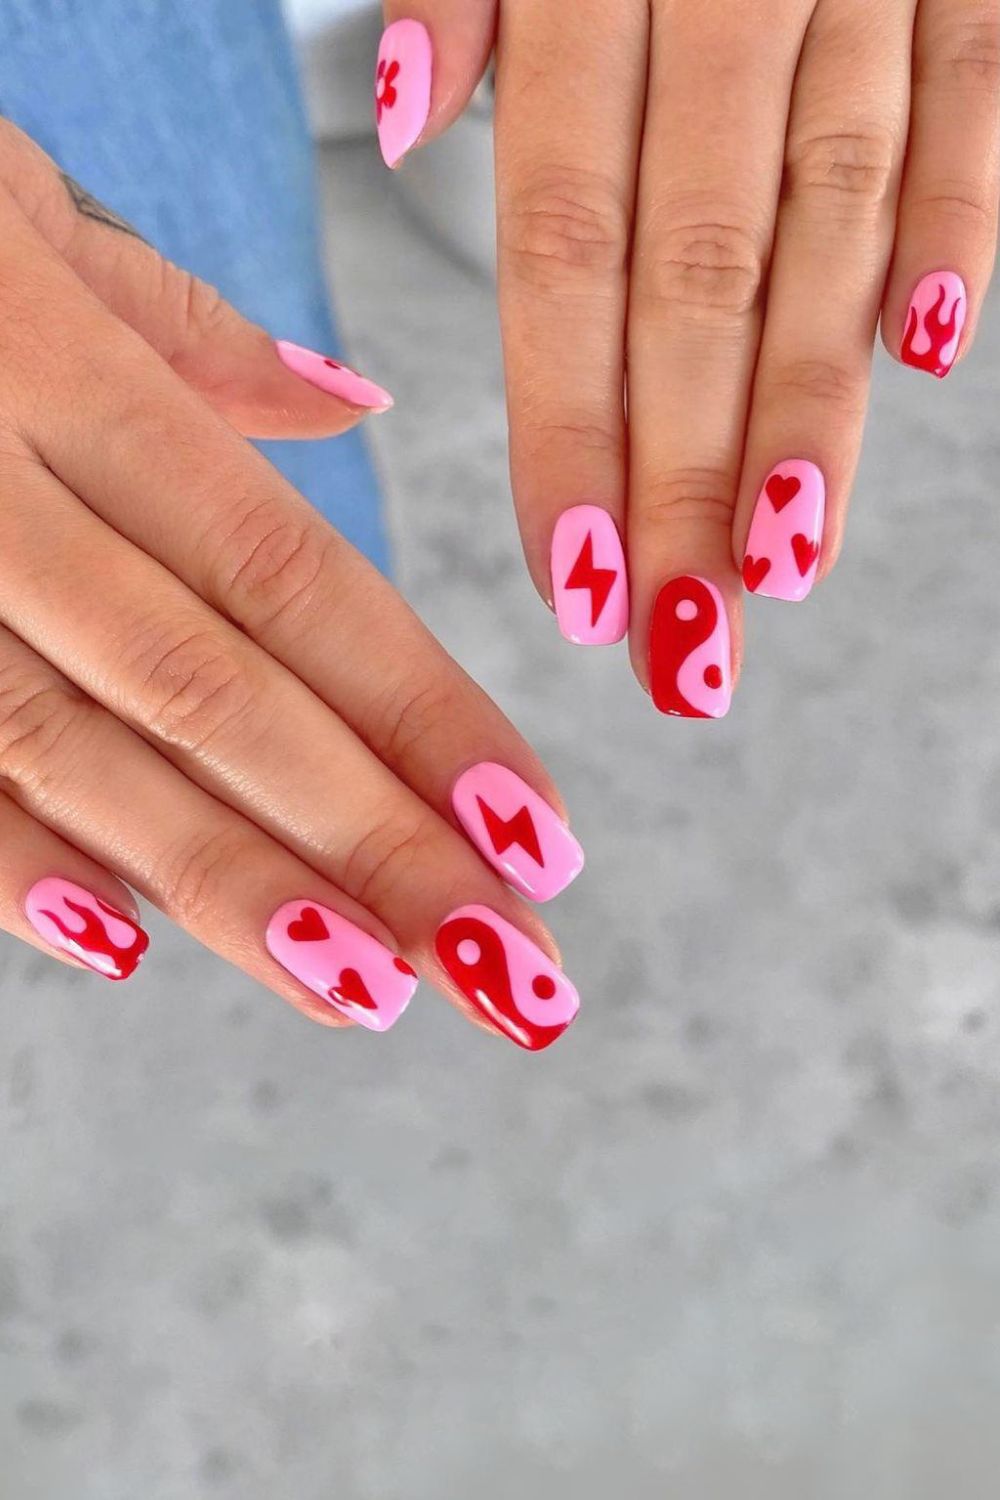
(940, 332)
(95, 940)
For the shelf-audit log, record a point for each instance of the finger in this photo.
(709, 183)
(947, 226)
(225, 523)
(74, 770)
(834, 237)
(569, 116)
(265, 388)
(63, 903)
(432, 55)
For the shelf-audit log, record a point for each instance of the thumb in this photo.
(265, 388)
(432, 56)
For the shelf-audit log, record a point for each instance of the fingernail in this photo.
(402, 88)
(333, 378)
(690, 657)
(355, 973)
(934, 323)
(76, 921)
(516, 831)
(786, 533)
(589, 577)
(507, 977)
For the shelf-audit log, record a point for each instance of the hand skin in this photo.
(204, 691)
(721, 198)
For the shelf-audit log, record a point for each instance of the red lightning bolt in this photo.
(516, 830)
(600, 581)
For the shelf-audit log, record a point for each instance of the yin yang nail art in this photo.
(507, 977)
(786, 533)
(349, 969)
(690, 656)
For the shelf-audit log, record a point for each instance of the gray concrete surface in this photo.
(738, 1238)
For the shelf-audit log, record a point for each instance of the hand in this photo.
(720, 198)
(205, 690)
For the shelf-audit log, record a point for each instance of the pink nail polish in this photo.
(507, 977)
(402, 88)
(333, 378)
(589, 577)
(690, 655)
(934, 323)
(349, 968)
(786, 533)
(78, 922)
(516, 831)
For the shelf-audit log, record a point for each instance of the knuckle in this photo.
(271, 564)
(412, 722)
(822, 381)
(196, 873)
(191, 688)
(715, 265)
(562, 226)
(853, 166)
(35, 718)
(570, 432)
(702, 497)
(969, 54)
(959, 207)
(386, 862)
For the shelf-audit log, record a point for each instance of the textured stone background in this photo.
(737, 1237)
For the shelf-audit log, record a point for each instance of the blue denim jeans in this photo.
(185, 116)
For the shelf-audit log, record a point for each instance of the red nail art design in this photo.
(345, 966)
(689, 650)
(385, 86)
(786, 532)
(934, 323)
(80, 923)
(507, 977)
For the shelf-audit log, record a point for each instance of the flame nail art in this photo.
(335, 379)
(78, 922)
(934, 323)
(516, 830)
(690, 657)
(348, 968)
(507, 977)
(589, 578)
(402, 88)
(786, 534)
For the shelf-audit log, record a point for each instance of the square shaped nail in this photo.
(934, 323)
(690, 653)
(76, 921)
(348, 968)
(786, 533)
(589, 577)
(516, 830)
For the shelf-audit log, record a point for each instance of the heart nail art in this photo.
(516, 830)
(786, 533)
(781, 490)
(348, 968)
(755, 570)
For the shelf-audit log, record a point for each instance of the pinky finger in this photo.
(61, 902)
(947, 227)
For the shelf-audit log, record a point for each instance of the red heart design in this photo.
(782, 491)
(309, 927)
(755, 570)
(806, 552)
(352, 990)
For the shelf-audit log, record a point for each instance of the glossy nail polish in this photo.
(74, 920)
(507, 977)
(516, 831)
(589, 577)
(934, 323)
(786, 533)
(402, 88)
(348, 968)
(333, 378)
(690, 656)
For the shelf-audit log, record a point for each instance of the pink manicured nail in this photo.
(934, 323)
(402, 88)
(589, 577)
(516, 830)
(786, 534)
(336, 379)
(78, 922)
(690, 655)
(507, 977)
(349, 968)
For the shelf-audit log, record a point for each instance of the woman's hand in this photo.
(721, 198)
(205, 690)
